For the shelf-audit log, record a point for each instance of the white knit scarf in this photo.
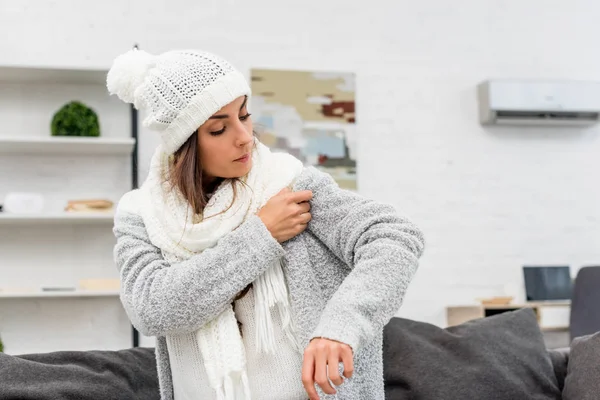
(173, 228)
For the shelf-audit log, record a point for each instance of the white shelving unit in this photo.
(29, 96)
(51, 74)
(65, 145)
(32, 294)
(66, 218)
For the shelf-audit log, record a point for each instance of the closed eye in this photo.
(242, 118)
(216, 133)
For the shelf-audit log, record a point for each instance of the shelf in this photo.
(27, 294)
(529, 304)
(74, 218)
(65, 145)
(30, 74)
(550, 329)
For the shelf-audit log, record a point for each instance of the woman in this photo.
(259, 277)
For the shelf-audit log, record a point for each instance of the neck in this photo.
(210, 184)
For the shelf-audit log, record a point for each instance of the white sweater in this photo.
(272, 377)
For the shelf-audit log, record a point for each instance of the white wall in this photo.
(489, 200)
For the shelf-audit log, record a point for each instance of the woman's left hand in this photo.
(321, 364)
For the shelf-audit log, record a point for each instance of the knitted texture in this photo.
(178, 90)
(272, 376)
(347, 275)
(283, 381)
(170, 223)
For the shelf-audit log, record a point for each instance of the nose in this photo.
(244, 135)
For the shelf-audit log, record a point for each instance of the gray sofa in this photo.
(500, 357)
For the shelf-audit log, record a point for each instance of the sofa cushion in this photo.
(125, 374)
(502, 357)
(583, 373)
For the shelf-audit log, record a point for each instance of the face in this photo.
(226, 140)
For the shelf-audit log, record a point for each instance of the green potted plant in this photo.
(1, 346)
(75, 119)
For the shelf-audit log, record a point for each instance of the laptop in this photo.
(547, 283)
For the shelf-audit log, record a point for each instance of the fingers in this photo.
(347, 360)
(321, 365)
(334, 370)
(308, 373)
(303, 208)
(304, 218)
(300, 196)
(321, 371)
(303, 214)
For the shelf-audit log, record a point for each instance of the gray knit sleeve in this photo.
(162, 299)
(382, 248)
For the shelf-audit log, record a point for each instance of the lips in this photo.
(243, 158)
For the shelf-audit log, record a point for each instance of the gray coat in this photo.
(347, 276)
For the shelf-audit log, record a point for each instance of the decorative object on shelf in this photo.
(58, 292)
(59, 289)
(75, 119)
(499, 300)
(23, 203)
(89, 205)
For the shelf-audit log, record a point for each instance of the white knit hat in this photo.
(179, 89)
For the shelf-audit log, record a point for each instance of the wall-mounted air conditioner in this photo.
(536, 102)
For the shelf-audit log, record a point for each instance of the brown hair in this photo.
(186, 176)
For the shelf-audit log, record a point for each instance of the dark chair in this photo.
(585, 303)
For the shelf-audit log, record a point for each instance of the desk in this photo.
(552, 315)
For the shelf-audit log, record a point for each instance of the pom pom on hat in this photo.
(128, 73)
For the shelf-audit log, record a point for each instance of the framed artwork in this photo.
(310, 115)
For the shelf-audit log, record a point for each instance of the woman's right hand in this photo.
(286, 214)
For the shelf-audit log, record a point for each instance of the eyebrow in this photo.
(223, 116)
